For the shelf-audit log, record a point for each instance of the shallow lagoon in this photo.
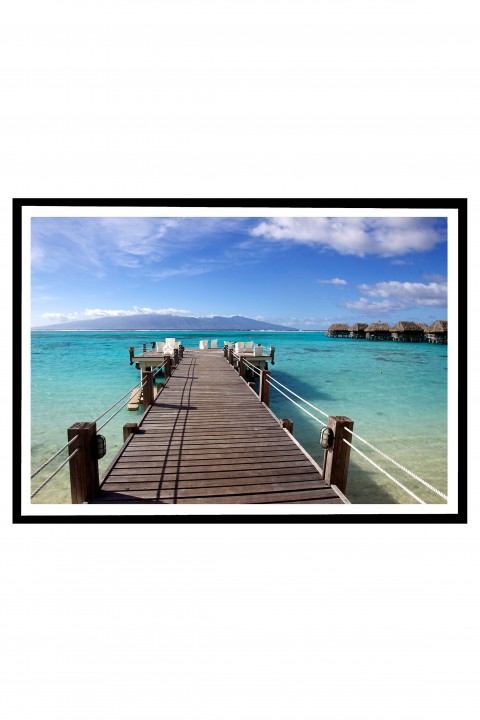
(396, 394)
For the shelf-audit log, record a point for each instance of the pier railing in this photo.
(336, 437)
(86, 446)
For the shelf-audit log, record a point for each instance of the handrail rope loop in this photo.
(53, 474)
(406, 470)
(300, 398)
(297, 404)
(54, 456)
(422, 502)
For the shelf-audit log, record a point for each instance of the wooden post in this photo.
(175, 357)
(272, 355)
(180, 351)
(168, 367)
(144, 347)
(153, 346)
(129, 429)
(337, 456)
(287, 424)
(147, 389)
(225, 351)
(131, 351)
(264, 390)
(241, 367)
(230, 356)
(84, 481)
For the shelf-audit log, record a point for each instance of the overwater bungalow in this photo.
(338, 330)
(437, 332)
(406, 331)
(358, 330)
(378, 331)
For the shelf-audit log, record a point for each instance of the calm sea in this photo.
(396, 394)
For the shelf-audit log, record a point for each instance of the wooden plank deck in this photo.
(208, 439)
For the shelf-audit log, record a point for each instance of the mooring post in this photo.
(264, 389)
(148, 397)
(168, 367)
(84, 480)
(287, 424)
(180, 351)
(336, 457)
(129, 429)
(144, 347)
(225, 351)
(153, 346)
(230, 356)
(272, 355)
(175, 357)
(131, 351)
(241, 367)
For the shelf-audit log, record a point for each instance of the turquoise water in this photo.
(396, 394)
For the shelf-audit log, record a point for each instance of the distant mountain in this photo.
(154, 321)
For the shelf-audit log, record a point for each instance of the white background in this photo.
(238, 100)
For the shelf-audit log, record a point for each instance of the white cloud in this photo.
(355, 236)
(333, 281)
(60, 317)
(399, 296)
(97, 312)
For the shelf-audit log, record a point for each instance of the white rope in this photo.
(385, 473)
(300, 398)
(255, 369)
(53, 474)
(53, 457)
(297, 404)
(120, 399)
(114, 414)
(406, 470)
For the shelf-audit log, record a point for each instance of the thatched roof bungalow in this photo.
(358, 330)
(437, 332)
(338, 330)
(406, 331)
(378, 331)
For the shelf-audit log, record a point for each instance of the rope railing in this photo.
(419, 500)
(120, 399)
(53, 457)
(273, 382)
(252, 367)
(297, 404)
(56, 471)
(405, 470)
(299, 397)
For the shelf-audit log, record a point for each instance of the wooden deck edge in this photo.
(340, 494)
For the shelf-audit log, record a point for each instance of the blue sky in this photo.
(302, 272)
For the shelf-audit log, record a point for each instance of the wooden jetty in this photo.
(207, 437)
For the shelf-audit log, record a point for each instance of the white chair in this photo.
(249, 346)
(203, 345)
(257, 351)
(213, 343)
(160, 347)
(239, 346)
(170, 341)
